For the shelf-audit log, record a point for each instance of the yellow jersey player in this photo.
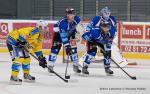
(17, 40)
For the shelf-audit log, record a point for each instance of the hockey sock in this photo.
(15, 69)
(26, 65)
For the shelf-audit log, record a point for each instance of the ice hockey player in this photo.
(116, 54)
(101, 34)
(65, 31)
(22, 38)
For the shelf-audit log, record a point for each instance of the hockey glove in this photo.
(43, 62)
(21, 44)
(68, 49)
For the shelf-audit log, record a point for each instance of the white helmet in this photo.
(105, 13)
(42, 23)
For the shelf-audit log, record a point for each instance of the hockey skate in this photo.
(76, 69)
(50, 69)
(15, 81)
(108, 71)
(85, 71)
(29, 78)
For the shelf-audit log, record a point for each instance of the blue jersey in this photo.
(95, 23)
(95, 33)
(66, 29)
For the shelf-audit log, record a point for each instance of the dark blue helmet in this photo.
(70, 11)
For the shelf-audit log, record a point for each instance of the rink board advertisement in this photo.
(3, 34)
(8, 25)
(135, 37)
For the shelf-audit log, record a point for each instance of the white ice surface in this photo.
(96, 83)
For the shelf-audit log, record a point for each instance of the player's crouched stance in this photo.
(22, 38)
(65, 31)
(102, 38)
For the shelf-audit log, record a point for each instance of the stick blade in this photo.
(134, 78)
(67, 77)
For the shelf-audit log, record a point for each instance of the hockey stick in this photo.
(66, 76)
(47, 67)
(132, 77)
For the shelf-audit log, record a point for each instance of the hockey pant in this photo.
(91, 53)
(57, 44)
(19, 58)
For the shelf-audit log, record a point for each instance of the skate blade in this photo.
(29, 81)
(15, 83)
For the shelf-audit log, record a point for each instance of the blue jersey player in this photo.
(65, 30)
(100, 32)
(104, 16)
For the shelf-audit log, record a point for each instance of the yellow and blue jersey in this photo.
(28, 34)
